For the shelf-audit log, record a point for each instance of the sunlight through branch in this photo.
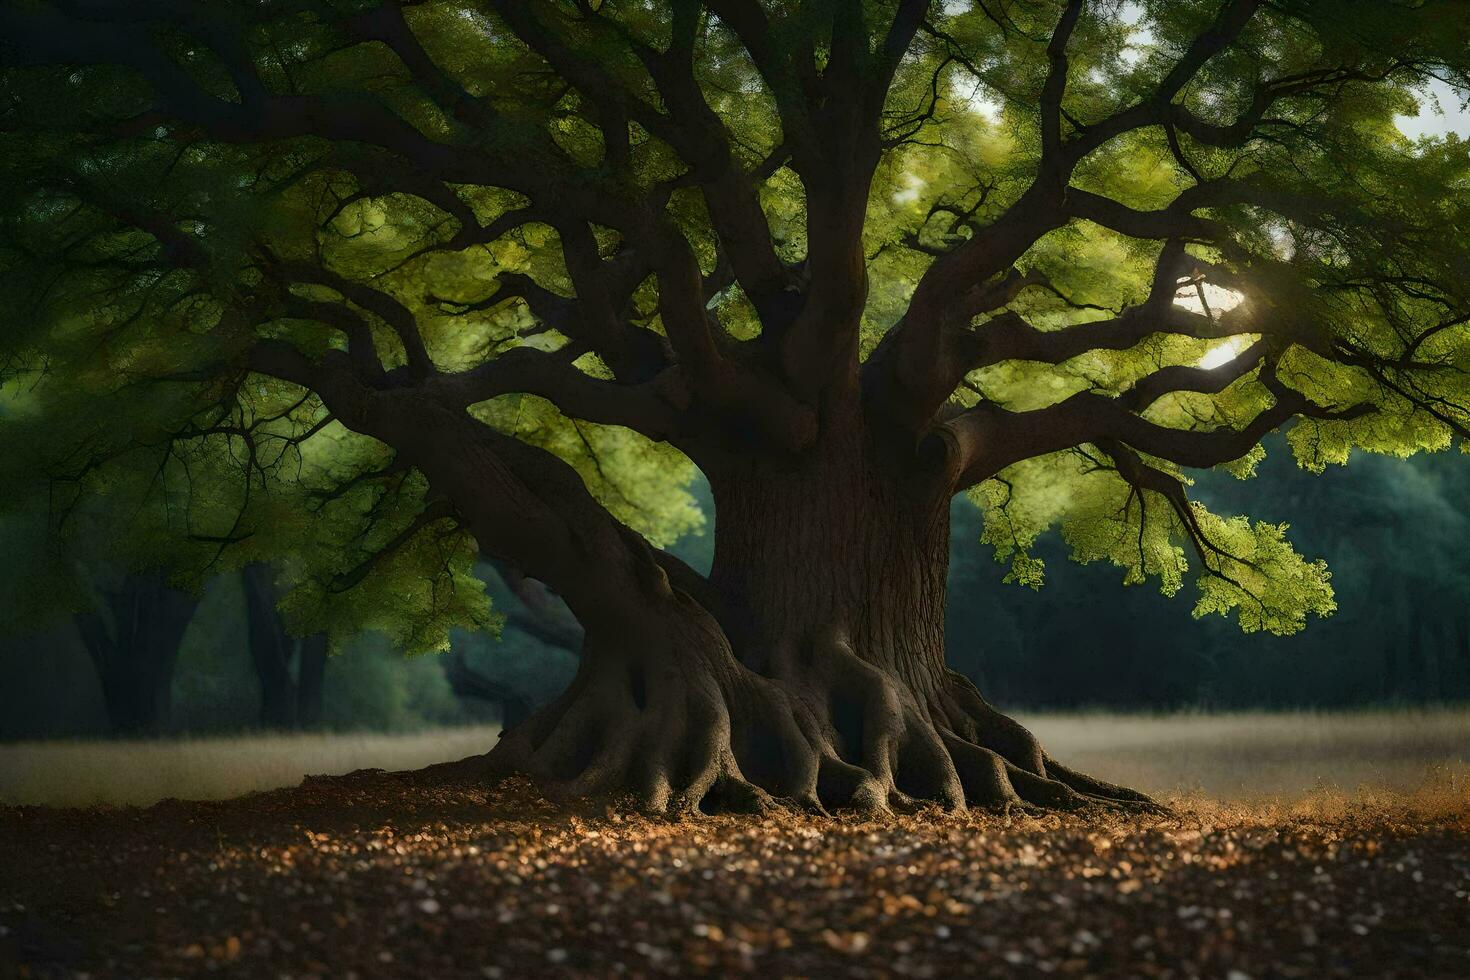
(1220, 299)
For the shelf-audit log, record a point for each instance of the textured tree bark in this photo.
(818, 680)
(830, 545)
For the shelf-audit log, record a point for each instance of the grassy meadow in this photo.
(139, 773)
(1260, 755)
(1245, 757)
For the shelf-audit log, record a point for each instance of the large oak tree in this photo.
(374, 289)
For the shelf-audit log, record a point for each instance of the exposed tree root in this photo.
(687, 728)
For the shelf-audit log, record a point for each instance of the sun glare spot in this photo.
(979, 99)
(1217, 356)
(912, 185)
(1223, 353)
(1220, 299)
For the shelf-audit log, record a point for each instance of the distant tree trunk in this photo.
(466, 682)
(270, 648)
(288, 700)
(1460, 656)
(133, 639)
(541, 613)
(310, 680)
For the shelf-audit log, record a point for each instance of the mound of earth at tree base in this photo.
(379, 874)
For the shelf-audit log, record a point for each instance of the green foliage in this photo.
(1246, 567)
(1259, 573)
(123, 406)
(142, 257)
(1394, 534)
(642, 483)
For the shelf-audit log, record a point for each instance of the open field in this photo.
(142, 773)
(1234, 757)
(1257, 756)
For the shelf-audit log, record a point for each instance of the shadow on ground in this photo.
(375, 874)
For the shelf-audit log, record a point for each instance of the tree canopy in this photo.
(1070, 250)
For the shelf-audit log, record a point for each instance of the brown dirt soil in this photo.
(384, 875)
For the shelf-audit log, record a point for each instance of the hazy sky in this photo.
(1449, 116)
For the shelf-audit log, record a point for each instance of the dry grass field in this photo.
(1259, 756)
(1245, 757)
(141, 773)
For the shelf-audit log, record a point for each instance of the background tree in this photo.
(126, 613)
(1393, 533)
(132, 633)
(383, 288)
(291, 669)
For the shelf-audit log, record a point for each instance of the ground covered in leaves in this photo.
(376, 874)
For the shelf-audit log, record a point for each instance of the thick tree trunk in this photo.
(271, 649)
(133, 639)
(815, 676)
(828, 548)
(808, 669)
(291, 672)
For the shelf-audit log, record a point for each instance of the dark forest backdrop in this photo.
(1395, 535)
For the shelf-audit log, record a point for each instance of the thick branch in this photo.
(1178, 377)
(1232, 18)
(377, 302)
(988, 438)
(1055, 85)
